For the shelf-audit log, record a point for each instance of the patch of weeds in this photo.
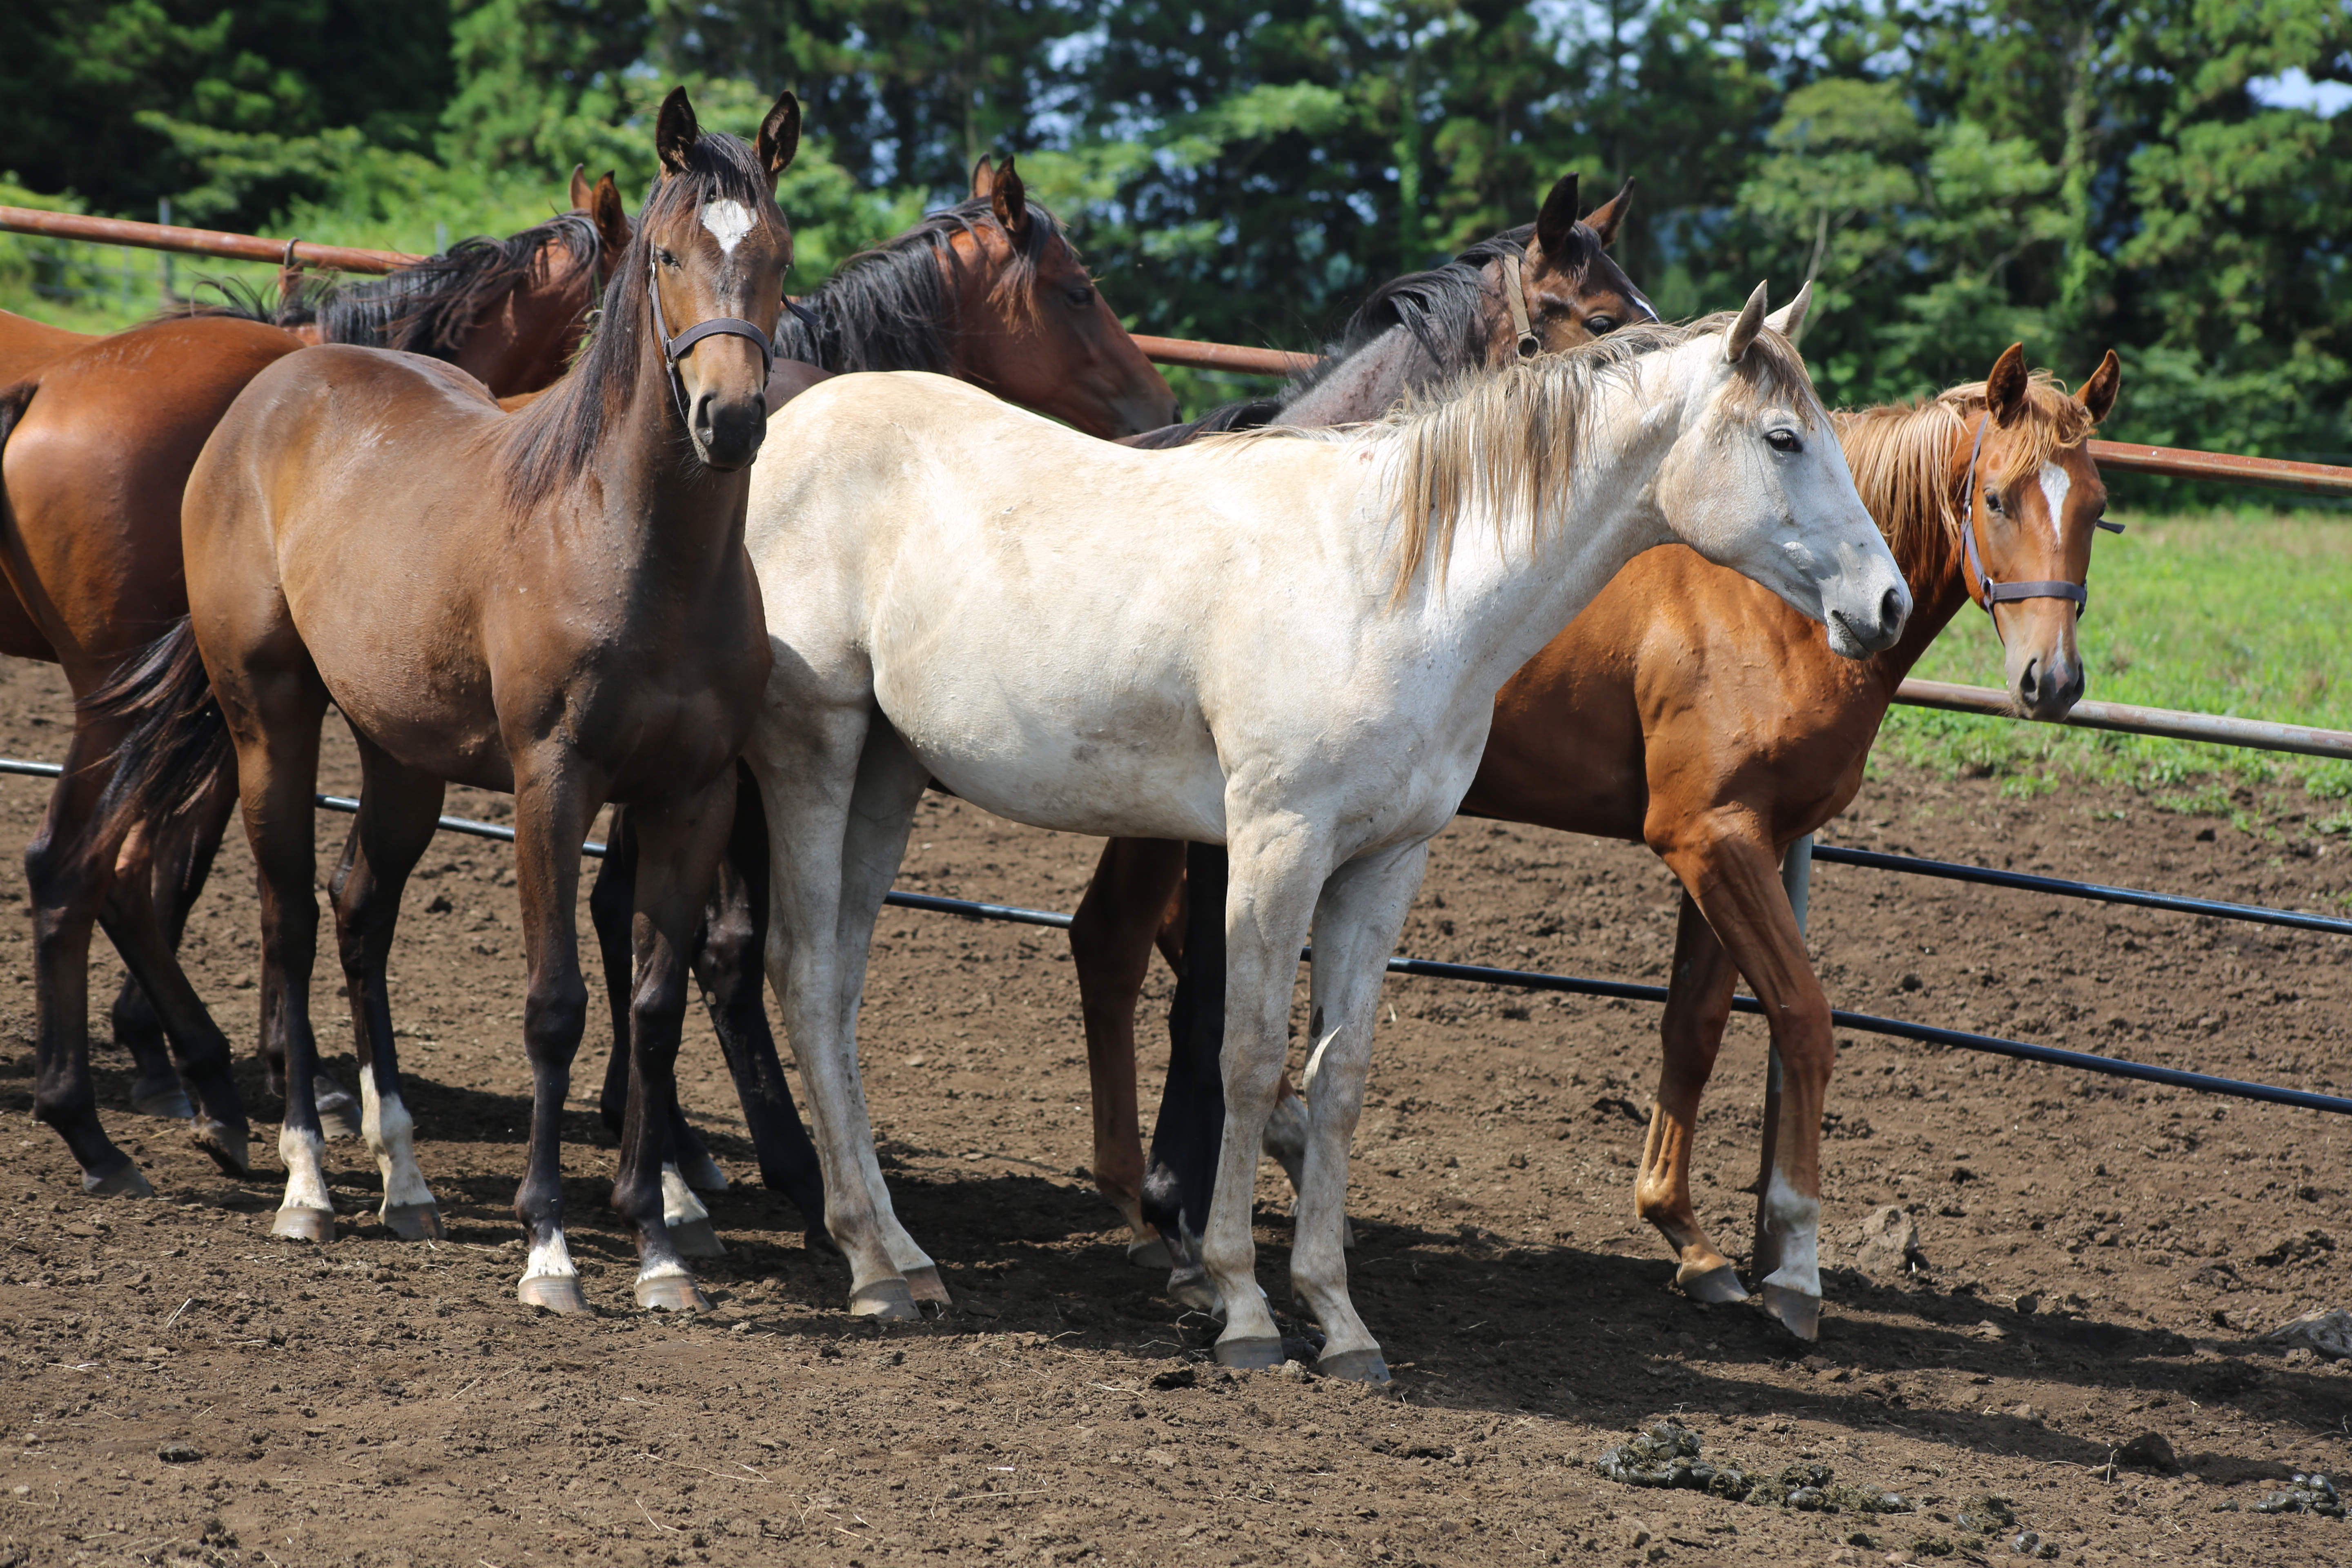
(2340, 823)
(2211, 801)
(2028, 786)
(2329, 781)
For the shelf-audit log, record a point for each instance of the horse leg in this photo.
(1698, 1003)
(176, 858)
(399, 812)
(682, 841)
(551, 811)
(727, 962)
(1180, 1183)
(815, 780)
(1735, 876)
(1125, 907)
(611, 898)
(1357, 921)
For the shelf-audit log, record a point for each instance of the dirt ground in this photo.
(2095, 1259)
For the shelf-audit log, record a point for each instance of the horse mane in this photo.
(890, 307)
(1902, 458)
(431, 308)
(549, 444)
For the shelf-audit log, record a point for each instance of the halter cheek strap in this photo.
(675, 348)
(1514, 295)
(2004, 592)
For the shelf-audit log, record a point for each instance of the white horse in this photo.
(1288, 643)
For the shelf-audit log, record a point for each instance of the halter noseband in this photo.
(1514, 295)
(2008, 593)
(675, 348)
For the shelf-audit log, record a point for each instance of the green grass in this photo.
(2245, 612)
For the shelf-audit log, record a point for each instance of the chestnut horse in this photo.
(989, 291)
(1687, 710)
(96, 445)
(575, 620)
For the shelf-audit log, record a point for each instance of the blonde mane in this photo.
(1902, 456)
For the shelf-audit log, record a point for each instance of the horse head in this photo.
(1031, 326)
(2032, 502)
(1570, 290)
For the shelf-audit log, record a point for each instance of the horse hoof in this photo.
(414, 1222)
(1719, 1284)
(888, 1300)
(304, 1225)
(927, 1288)
(1355, 1366)
(1801, 1314)
(703, 1174)
(338, 1113)
(230, 1148)
(697, 1238)
(165, 1097)
(672, 1293)
(551, 1293)
(1151, 1252)
(130, 1181)
(1249, 1355)
(1188, 1284)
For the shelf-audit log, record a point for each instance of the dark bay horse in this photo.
(991, 291)
(1684, 712)
(96, 445)
(575, 620)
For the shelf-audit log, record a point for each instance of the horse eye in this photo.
(1783, 440)
(668, 258)
(1993, 500)
(1081, 297)
(1597, 325)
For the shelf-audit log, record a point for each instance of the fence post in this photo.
(1797, 878)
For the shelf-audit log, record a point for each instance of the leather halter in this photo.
(675, 348)
(1514, 295)
(2008, 593)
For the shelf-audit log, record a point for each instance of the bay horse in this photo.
(1287, 641)
(96, 445)
(1690, 710)
(575, 620)
(989, 291)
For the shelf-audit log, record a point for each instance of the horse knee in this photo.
(554, 1015)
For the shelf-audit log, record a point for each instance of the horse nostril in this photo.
(1890, 608)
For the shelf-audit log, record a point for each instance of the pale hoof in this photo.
(697, 1238)
(928, 1289)
(553, 1293)
(165, 1098)
(1801, 1314)
(1250, 1354)
(304, 1225)
(230, 1148)
(338, 1113)
(888, 1300)
(672, 1293)
(1719, 1284)
(130, 1181)
(414, 1222)
(1150, 1252)
(703, 1174)
(1355, 1366)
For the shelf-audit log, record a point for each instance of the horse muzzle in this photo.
(727, 432)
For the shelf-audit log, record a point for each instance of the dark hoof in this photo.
(703, 1174)
(304, 1225)
(1151, 1252)
(161, 1097)
(1249, 1355)
(1188, 1284)
(697, 1238)
(338, 1113)
(553, 1293)
(1719, 1284)
(927, 1288)
(128, 1182)
(1355, 1366)
(230, 1148)
(414, 1222)
(1798, 1313)
(672, 1293)
(888, 1300)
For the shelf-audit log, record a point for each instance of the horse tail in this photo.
(176, 750)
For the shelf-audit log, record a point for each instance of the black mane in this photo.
(429, 308)
(890, 308)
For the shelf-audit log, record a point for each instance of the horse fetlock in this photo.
(1794, 1220)
(305, 1156)
(679, 1206)
(229, 1144)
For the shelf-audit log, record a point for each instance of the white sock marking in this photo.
(679, 1206)
(1797, 1219)
(728, 222)
(390, 1132)
(2054, 486)
(305, 1154)
(550, 1259)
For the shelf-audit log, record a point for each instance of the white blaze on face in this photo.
(2054, 486)
(728, 222)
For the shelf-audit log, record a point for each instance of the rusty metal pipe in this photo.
(1225, 356)
(201, 241)
(2225, 468)
(2254, 734)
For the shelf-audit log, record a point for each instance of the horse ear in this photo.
(1556, 222)
(583, 194)
(780, 136)
(1011, 201)
(1743, 330)
(1605, 217)
(2005, 388)
(610, 217)
(676, 131)
(1789, 321)
(983, 178)
(2098, 394)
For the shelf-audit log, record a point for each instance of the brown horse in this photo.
(1683, 710)
(96, 445)
(575, 620)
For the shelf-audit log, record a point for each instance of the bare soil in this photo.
(2098, 1257)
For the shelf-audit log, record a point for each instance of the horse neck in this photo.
(658, 514)
(1930, 560)
(1367, 384)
